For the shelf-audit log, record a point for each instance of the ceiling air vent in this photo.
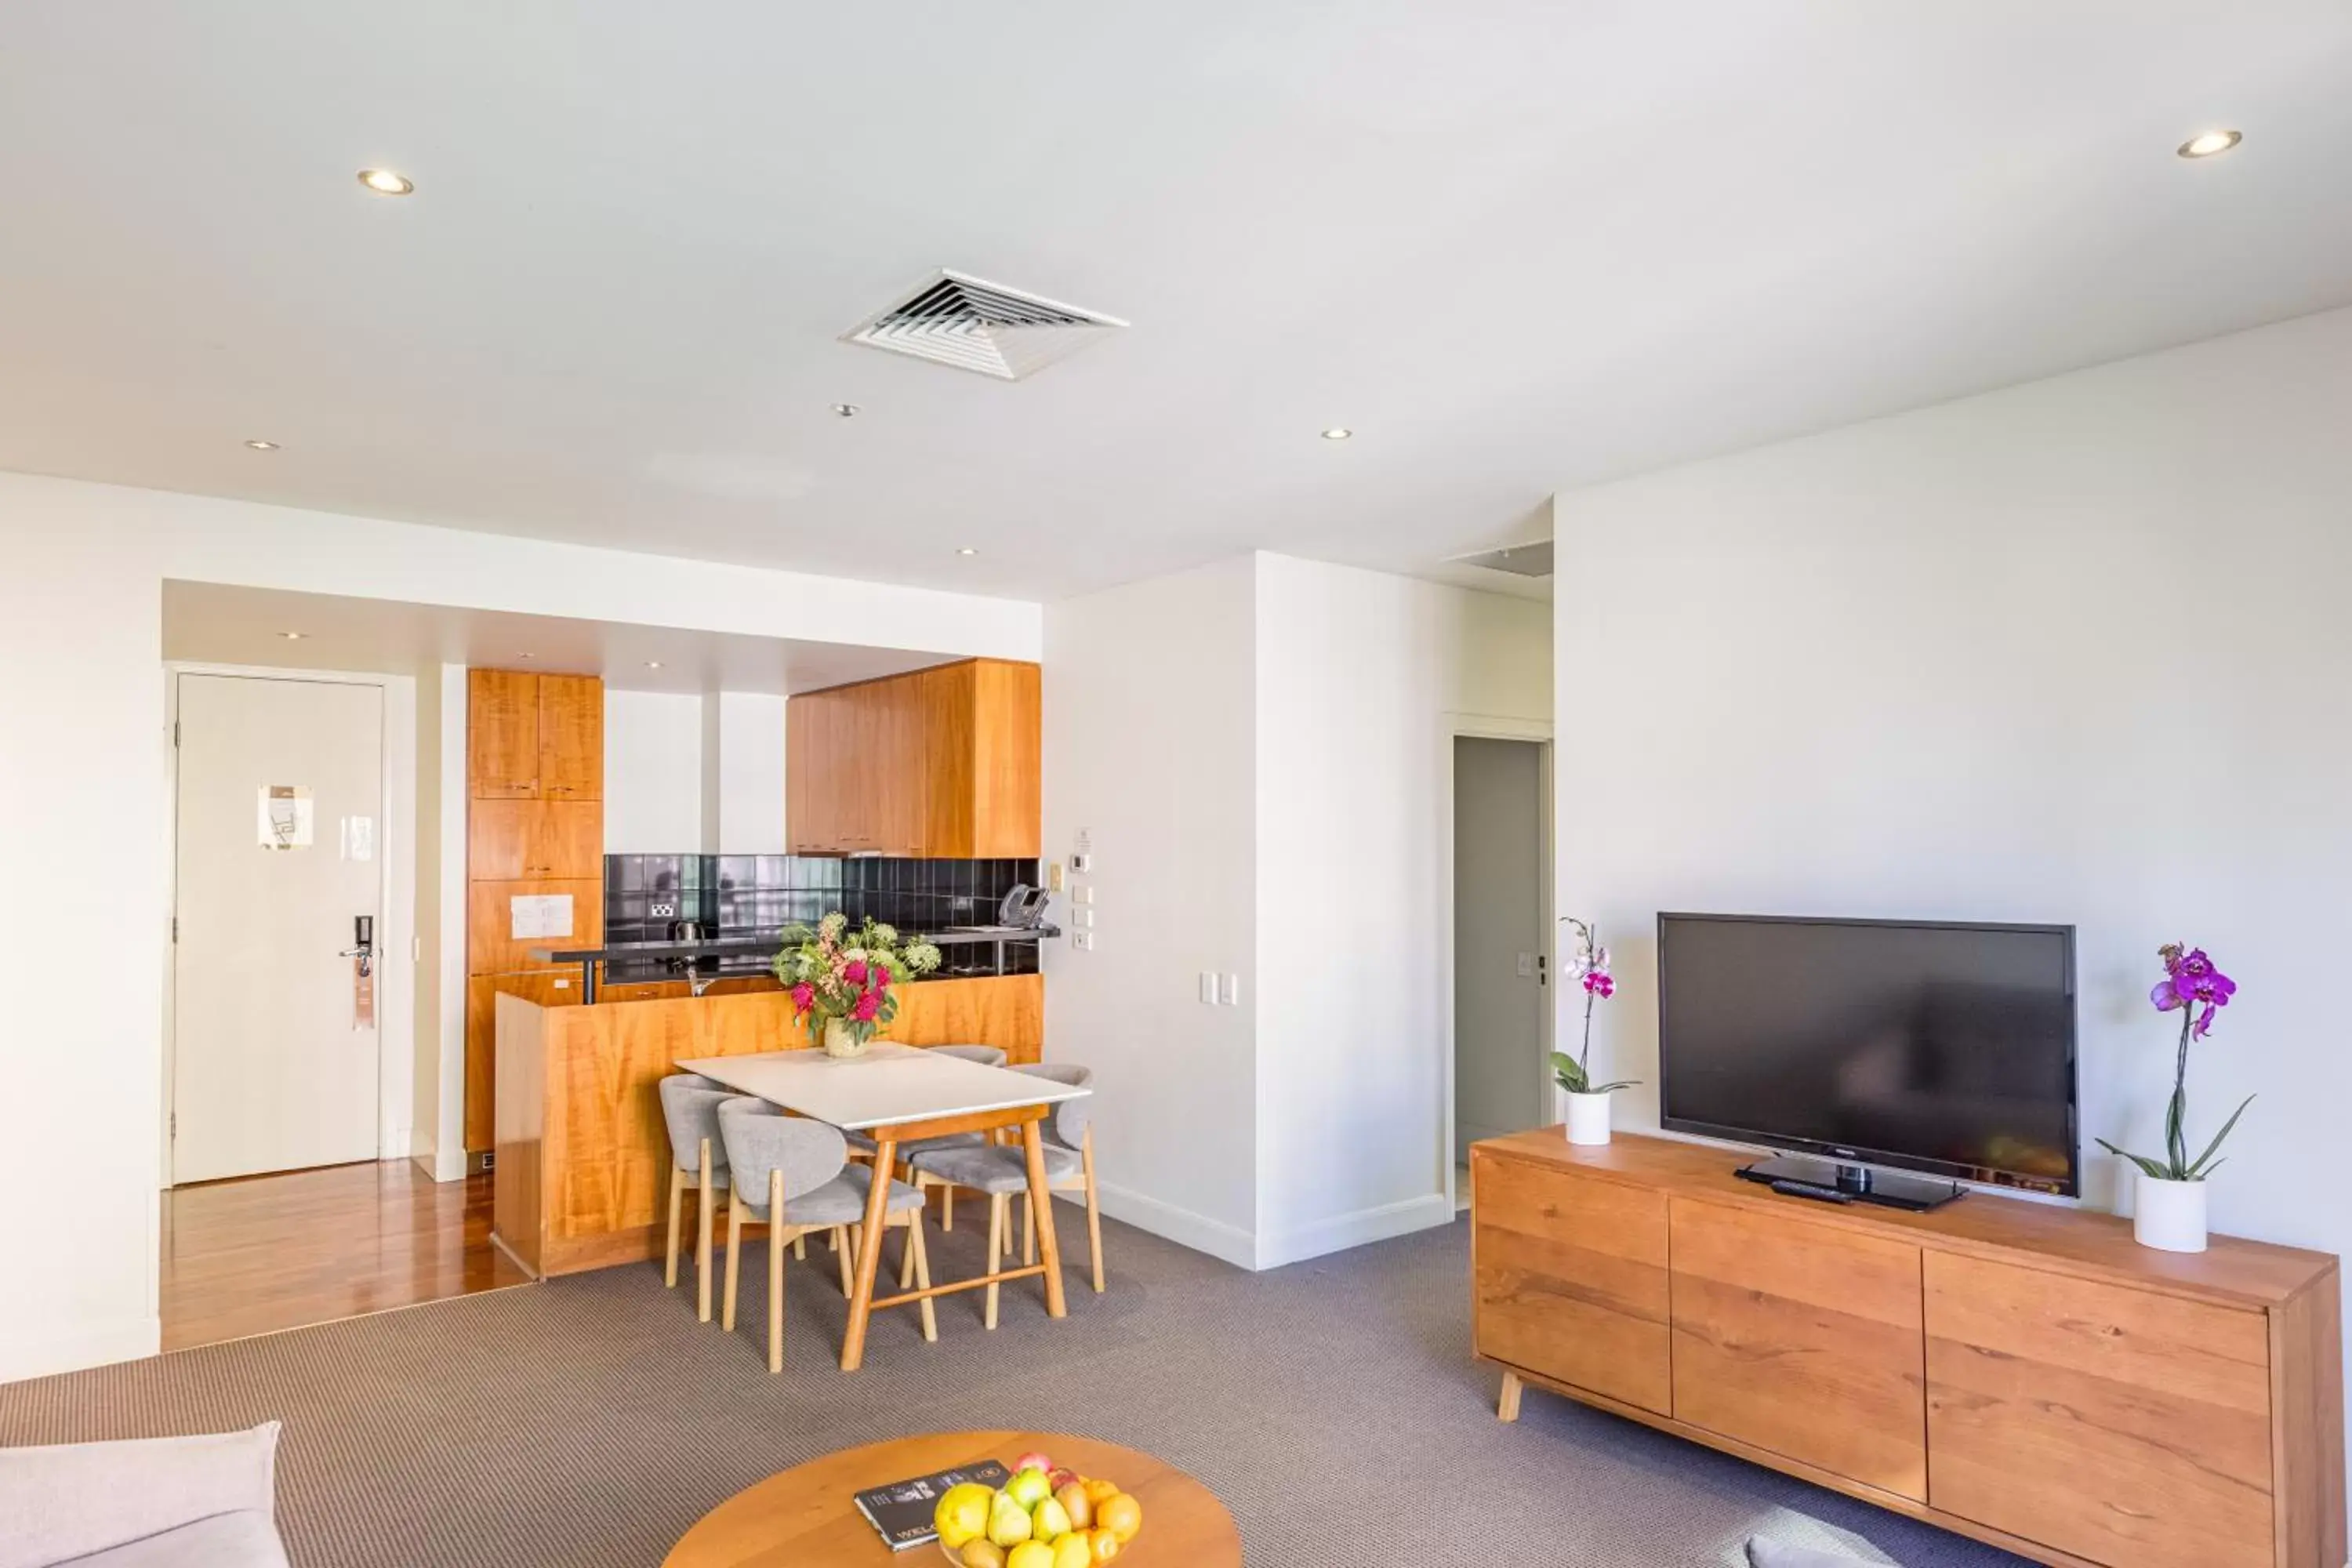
(1525, 559)
(973, 324)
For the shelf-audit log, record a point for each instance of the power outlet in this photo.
(1084, 941)
(1083, 917)
(1084, 895)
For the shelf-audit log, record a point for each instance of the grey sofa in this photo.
(153, 1502)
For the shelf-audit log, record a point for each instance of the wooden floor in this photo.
(265, 1253)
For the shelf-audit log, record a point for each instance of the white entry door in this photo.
(279, 837)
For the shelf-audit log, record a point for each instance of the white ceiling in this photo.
(1515, 247)
(206, 622)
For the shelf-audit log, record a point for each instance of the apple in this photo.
(962, 1514)
(1076, 1504)
(1008, 1521)
(1061, 1476)
(1028, 1486)
(1032, 1460)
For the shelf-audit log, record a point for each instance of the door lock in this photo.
(363, 944)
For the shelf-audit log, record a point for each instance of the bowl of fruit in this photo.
(1043, 1516)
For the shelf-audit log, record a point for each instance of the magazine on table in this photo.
(901, 1512)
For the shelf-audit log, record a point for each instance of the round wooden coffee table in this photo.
(803, 1517)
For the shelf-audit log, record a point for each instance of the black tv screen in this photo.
(1932, 1046)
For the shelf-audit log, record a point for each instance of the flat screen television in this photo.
(1927, 1046)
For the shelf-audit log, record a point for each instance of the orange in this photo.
(1122, 1516)
(1099, 1492)
(1103, 1544)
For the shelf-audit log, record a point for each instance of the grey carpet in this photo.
(588, 1422)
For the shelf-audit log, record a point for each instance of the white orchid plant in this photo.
(1589, 962)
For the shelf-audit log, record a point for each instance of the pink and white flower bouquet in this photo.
(843, 984)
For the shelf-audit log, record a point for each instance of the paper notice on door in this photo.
(539, 915)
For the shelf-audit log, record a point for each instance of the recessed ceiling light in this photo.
(2209, 143)
(966, 549)
(847, 410)
(1338, 433)
(653, 664)
(385, 183)
(526, 655)
(292, 636)
(263, 446)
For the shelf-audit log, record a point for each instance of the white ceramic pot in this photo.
(2168, 1215)
(1587, 1116)
(839, 1041)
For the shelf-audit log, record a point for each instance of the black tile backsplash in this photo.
(744, 894)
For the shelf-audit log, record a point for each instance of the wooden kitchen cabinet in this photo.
(492, 946)
(519, 840)
(548, 988)
(503, 734)
(941, 762)
(571, 737)
(534, 737)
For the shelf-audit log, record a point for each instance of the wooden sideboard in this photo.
(2018, 1372)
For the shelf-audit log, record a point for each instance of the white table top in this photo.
(889, 1085)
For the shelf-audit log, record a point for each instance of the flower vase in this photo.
(840, 1042)
(1587, 1116)
(2168, 1215)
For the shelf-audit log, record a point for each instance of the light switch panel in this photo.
(1526, 965)
(1232, 989)
(1209, 986)
(1084, 895)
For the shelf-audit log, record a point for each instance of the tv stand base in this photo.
(1804, 1177)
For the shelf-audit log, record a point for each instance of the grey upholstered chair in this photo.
(1003, 1171)
(697, 1159)
(794, 1175)
(863, 1144)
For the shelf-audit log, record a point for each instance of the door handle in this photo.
(363, 943)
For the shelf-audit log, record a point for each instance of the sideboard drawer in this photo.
(1571, 1279)
(1802, 1338)
(2119, 1424)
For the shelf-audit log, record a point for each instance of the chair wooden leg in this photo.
(1507, 1408)
(677, 1207)
(1029, 1233)
(906, 1251)
(734, 1254)
(923, 1280)
(842, 1255)
(775, 1272)
(702, 1240)
(800, 1245)
(1094, 1210)
(947, 1206)
(998, 1203)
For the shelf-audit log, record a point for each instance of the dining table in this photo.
(898, 1094)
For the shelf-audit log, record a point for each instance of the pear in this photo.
(1074, 1501)
(1008, 1521)
(1049, 1521)
(1028, 1487)
(962, 1514)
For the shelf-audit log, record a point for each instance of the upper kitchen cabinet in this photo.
(941, 762)
(571, 737)
(535, 737)
(503, 734)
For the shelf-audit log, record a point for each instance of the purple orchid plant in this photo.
(1590, 964)
(2195, 987)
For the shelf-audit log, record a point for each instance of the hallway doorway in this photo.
(1502, 997)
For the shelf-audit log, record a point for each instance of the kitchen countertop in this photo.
(769, 945)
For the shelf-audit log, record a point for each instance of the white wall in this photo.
(81, 708)
(652, 772)
(743, 773)
(1259, 751)
(2072, 651)
(1360, 677)
(1148, 748)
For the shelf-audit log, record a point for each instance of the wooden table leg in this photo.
(869, 1243)
(1041, 1201)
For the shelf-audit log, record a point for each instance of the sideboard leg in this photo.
(1507, 1407)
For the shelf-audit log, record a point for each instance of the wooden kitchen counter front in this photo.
(581, 1155)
